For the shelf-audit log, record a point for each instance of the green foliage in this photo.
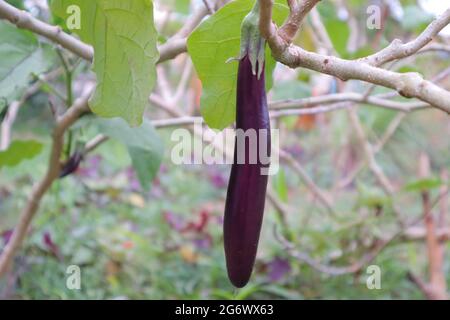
(279, 183)
(138, 235)
(124, 40)
(16, 3)
(423, 185)
(143, 143)
(337, 29)
(21, 56)
(19, 151)
(415, 18)
(214, 42)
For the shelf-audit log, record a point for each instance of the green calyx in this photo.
(252, 44)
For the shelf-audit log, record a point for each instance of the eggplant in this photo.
(72, 165)
(244, 207)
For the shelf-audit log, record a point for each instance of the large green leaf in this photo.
(124, 39)
(215, 41)
(19, 151)
(16, 3)
(144, 146)
(423, 185)
(21, 55)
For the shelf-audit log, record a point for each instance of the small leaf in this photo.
(124, 39)
(371, 197)
(16, 3)
(19, 151)
(21, 56)
(215, 41)
(144, 146)
(423, 185)
(337, 29)
(415, 18)
(280, 185)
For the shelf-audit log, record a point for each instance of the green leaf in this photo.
(19, 151)
(144, 146)
(124, 39)
(180, 6)
(423, 184)
(16, 3)
(337, 29)
(415, 18)
(371, 197)
(408, 68)
(215, 41)
(21, 55)
(280, 185)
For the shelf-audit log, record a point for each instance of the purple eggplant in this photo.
(244, 207)
(71, 166)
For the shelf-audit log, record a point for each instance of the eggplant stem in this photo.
(252, 43)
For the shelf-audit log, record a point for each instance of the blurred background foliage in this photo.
(166, 242)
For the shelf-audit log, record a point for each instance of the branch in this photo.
(23, 19)
(333, 270)
(54, 167)
(312, 187)
(437, 282)
(298, 12)
(370, 154)
(407, 84)
(397, 50)
(13, 109)
(347, 97)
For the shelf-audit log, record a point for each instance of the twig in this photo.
(332, 270)
(370, 154)
(7, 123)
(54, 167)
(312, 187)
(397, 50)
(13, 108)
(22, 19)
(298, 11)
(347, 97)
(407, 84)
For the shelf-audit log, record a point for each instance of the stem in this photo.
(252, 43)
(69, 99)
